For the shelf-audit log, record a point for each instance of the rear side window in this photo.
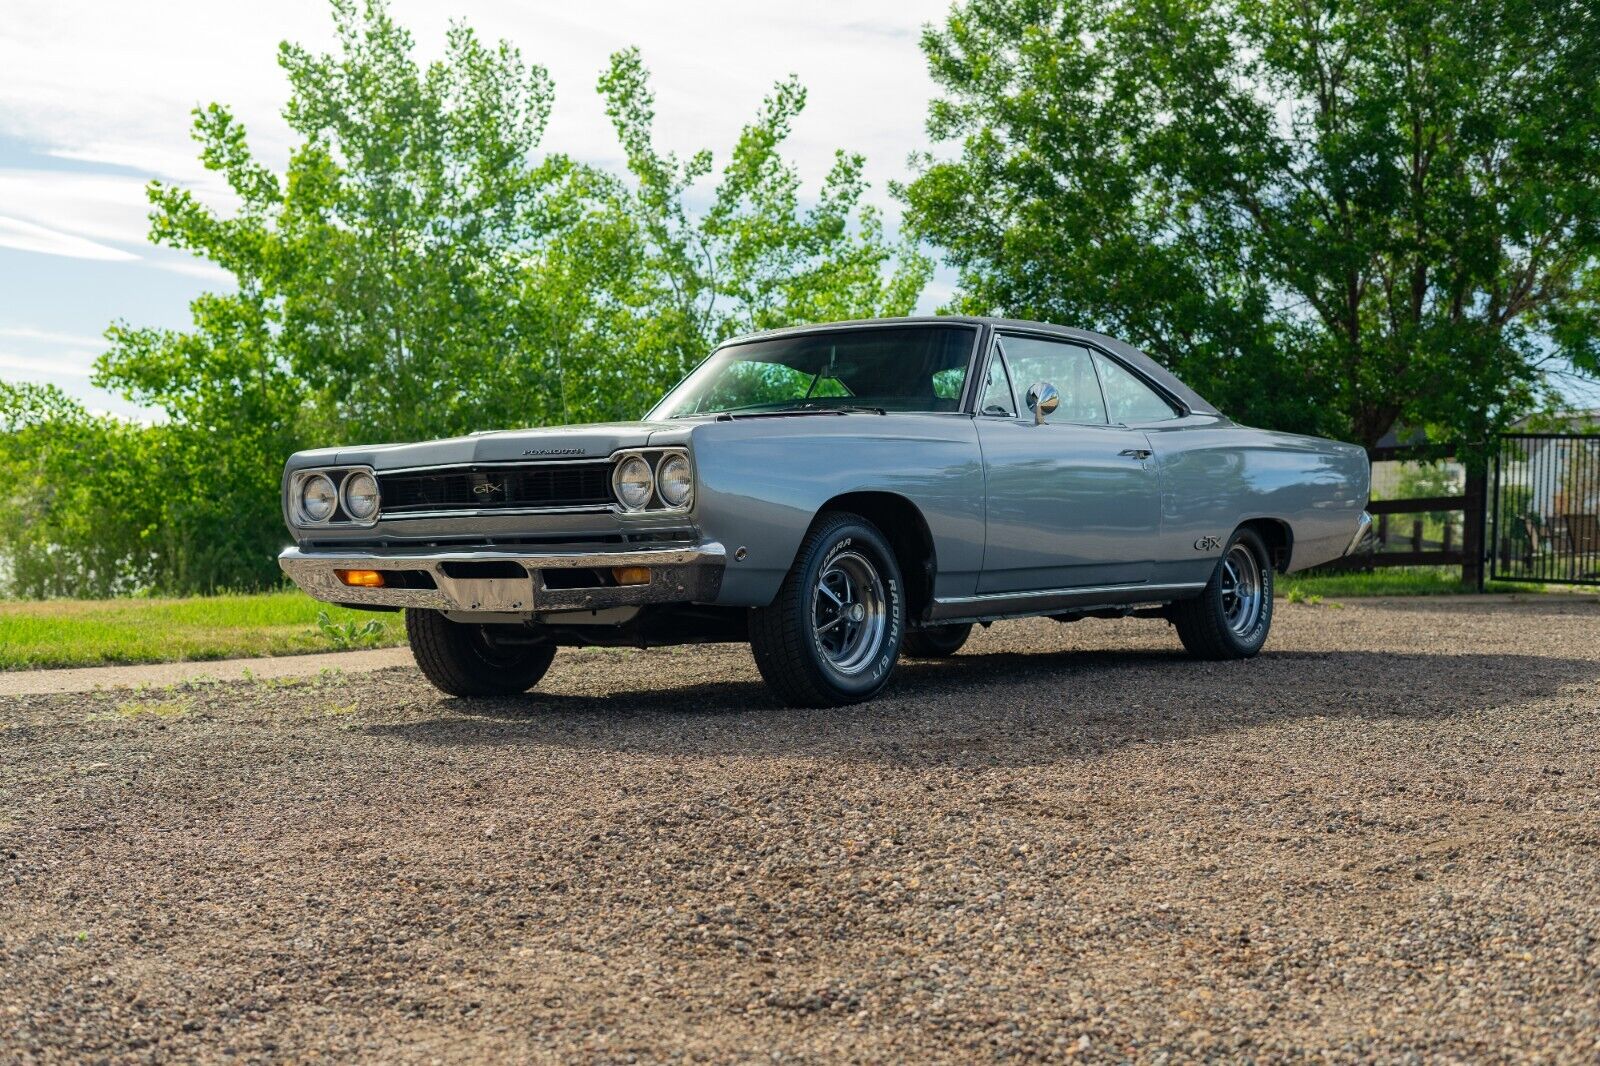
(1129, 400)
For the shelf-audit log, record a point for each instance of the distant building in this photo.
(1556, 473)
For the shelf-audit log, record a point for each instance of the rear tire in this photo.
(936, 642)
(462, 659)
(1230, 619)
(832, 634)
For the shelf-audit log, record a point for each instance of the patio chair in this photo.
(1583, 531)
(1583, 537)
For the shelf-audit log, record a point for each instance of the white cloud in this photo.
(87, 216)
(45, 336)
(31, 237)
(75, 365)
(102, 207)
(116, 82)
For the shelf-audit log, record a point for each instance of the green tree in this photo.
(1326, 215)
(374, 277)
(670, 284)
(418, 271)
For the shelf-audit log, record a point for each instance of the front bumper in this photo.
(1363, 531)
(510, 582)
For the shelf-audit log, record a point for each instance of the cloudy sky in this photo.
(95, 101)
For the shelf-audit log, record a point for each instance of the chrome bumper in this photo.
(1363, 531)
(461, 583)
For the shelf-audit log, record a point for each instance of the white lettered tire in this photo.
(832, 635)
(1231, 618)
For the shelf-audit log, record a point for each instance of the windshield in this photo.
(905, 368)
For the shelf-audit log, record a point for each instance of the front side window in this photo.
(909, 368)
(996, 399)
(1130, 400)
(1066, 366)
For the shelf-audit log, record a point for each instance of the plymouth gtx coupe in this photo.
(837, 496)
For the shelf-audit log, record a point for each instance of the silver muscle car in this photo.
(835, 495)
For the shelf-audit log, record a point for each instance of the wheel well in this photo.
(1279, 538)
(906, 530)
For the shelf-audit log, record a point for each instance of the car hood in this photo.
(595, 441)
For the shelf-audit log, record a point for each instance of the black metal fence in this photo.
(1545, 514)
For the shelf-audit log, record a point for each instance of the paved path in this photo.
(89, 678)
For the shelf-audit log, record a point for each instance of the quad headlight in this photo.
(653, 479)
(318, 498)
(360, 491)
(675, 480)
(633, 482)
(338, 497)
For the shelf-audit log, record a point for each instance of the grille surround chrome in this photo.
(498, 488)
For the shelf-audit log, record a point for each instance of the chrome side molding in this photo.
(992, 605)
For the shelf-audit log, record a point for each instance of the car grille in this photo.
(476, 488)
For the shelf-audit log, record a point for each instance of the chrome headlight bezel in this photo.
(647, 478)
(675, 459)
(347, 496)
(653, 459)
(337, 482)
(316, 480)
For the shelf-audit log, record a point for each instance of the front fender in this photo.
(760, 482)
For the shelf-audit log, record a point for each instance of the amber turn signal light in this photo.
(631, 575)
(363, 579)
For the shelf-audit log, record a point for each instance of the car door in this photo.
(1073, 501)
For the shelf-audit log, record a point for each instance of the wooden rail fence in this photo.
(1387, 531)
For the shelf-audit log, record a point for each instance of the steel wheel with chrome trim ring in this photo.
(848, 612)
(1241, 589)
(1232, 615)
(832, 635)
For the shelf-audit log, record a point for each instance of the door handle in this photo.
(1140, 454)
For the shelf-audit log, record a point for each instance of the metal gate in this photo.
(1545, 515)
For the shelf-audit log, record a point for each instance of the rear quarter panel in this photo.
(1216, 475)
(759, 482)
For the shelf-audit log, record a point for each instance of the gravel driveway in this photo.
(1379, 840)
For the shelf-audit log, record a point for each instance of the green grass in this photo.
(1399, 581)
(53, 633)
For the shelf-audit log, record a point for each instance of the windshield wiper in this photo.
(801, 409)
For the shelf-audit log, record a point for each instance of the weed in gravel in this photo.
(274, 684)
(133, 710)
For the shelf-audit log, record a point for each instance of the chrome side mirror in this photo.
(1043, 399)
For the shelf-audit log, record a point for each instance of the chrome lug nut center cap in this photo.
(857, 612)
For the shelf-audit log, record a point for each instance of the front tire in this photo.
(832, 635)
(462, 659)
(1230, 619)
